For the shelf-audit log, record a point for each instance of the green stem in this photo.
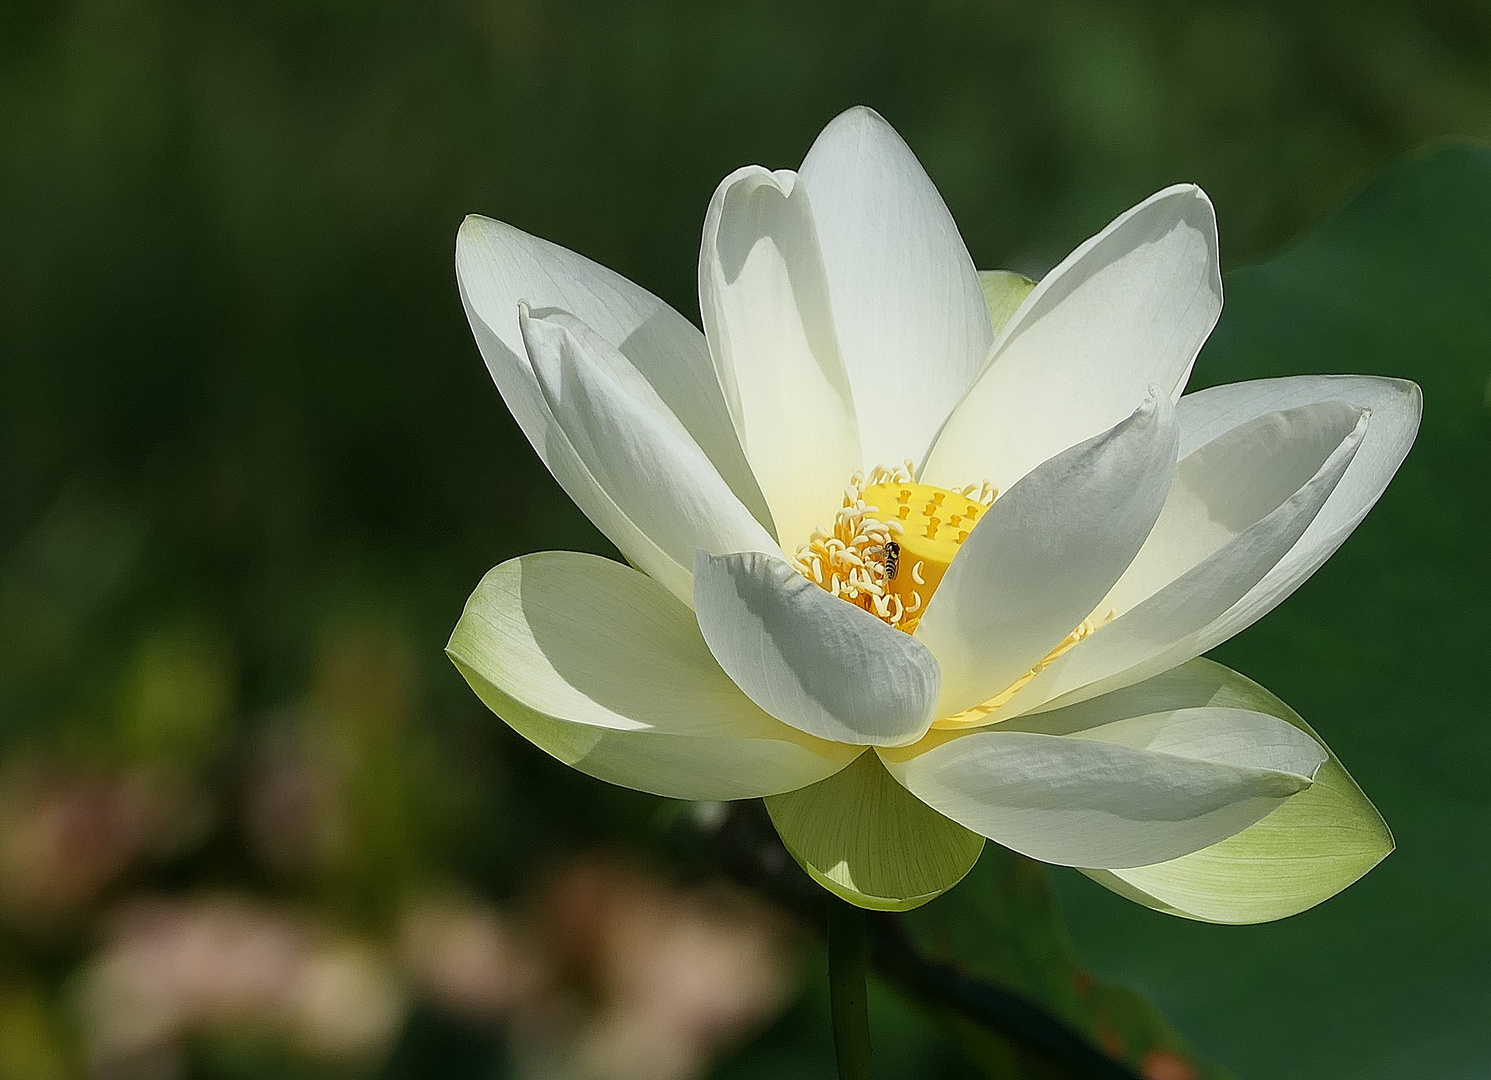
(848, 958)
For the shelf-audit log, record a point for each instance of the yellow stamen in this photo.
(974, 716)
(852, 558)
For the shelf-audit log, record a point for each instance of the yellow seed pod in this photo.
(934, 523)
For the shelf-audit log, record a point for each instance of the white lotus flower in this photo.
(923, 555)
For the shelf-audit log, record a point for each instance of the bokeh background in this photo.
(252, 823)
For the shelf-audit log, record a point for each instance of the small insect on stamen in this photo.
(857, 557)
(892, 559)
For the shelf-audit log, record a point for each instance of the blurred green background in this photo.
(252, 824)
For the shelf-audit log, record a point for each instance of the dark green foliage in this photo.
(1002, 925)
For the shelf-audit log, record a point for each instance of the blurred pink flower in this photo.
(171, 967)
(68, 831)
(466, 956)
(651, 982)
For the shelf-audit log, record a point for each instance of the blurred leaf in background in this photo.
(251, 466)
(1005, 928)
(1381, 649)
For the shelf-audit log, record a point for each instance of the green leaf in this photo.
(1384, 649)
(1003, 291)
(1310, 848)
(864, 837)
(1002, 926)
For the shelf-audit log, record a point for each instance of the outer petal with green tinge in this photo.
(864, 837)
(598, 665)
(1306, 851)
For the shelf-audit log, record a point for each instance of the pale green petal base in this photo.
(1316, 844)
(1003, 291)
(865, 838)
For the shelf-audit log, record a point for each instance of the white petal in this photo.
(1046, 552)
(1396, 406)
(1231, 517)
(1127, 310)
(912, 322)
(600, 667)
(639, 549)
(1312, 847)
(497, 266)
(1225, 487)
(766, 312)
(1128, 792)
(814, 661)
(634, 447)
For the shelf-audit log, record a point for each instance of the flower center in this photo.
(888, 549)
(891, 542)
